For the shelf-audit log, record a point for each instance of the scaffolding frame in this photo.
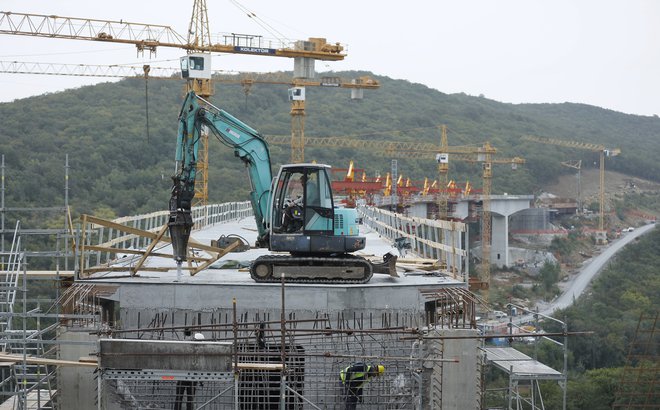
(124, 244)
(313, 350)
(523, 370)
(27, 383)
(638, 385)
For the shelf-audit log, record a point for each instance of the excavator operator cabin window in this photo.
(325, 192)
(312, 190)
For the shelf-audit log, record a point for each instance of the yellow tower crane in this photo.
(443, 169)
(484, 155)
(196, 66)
(297, 99)
(603, 152)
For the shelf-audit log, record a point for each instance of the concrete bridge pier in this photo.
(501, 208)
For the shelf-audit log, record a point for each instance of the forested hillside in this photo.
(117, 167)
(627, 289)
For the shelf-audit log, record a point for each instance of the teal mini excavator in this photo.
(294, 212)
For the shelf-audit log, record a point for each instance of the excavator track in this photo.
(345, 269)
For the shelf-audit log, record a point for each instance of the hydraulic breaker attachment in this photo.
(180, 224)
(387, 266)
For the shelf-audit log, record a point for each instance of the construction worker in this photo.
(354, 377)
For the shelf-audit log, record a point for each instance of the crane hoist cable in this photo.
(262, 23)
(146, 68)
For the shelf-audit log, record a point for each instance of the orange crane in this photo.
(603, 152)
(196, 66)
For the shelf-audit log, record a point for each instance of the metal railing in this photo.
(427, 238)
(124, 232)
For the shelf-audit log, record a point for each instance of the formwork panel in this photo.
(164, 354)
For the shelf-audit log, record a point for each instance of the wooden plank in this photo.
(260, 366)
(220, 254)
(38, 360)
(146, 234)
(150, 248)
(50, 273)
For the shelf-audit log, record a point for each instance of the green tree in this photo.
(549, 275)
(593, 390)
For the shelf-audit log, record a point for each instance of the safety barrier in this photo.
(427, 238)
(432, 239)
(124, 232)
(203, 216)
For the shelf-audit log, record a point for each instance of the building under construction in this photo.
(127, 329)
(122, 334)
(268, 345)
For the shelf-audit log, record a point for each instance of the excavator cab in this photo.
(304, 219)
(303, 201)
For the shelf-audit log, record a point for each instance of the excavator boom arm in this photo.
(197, 113)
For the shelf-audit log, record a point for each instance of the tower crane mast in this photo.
(577, 165)
(199, 35)
(602, 152)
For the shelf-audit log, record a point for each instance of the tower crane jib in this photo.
(196, 66)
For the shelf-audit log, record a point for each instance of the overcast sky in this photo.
(599, 52)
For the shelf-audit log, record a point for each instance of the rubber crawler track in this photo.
(283, 260)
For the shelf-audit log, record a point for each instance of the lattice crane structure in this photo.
(602, 151)
(198, 45)
(401, 149)
(576, 165)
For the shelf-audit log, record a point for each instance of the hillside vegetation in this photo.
(116, 168)
(626, 290)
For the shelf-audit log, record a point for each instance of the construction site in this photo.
(130, 330)
(325, 289)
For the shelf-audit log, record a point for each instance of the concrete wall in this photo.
(499, 250)
(418, 210)
(218, 297)
(77, 385)
(502, 207)
(457, 382)
(372, 306)
(533, 219)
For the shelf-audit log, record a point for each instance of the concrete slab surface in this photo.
(228, 271)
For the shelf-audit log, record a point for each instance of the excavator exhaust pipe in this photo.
(180, 224)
